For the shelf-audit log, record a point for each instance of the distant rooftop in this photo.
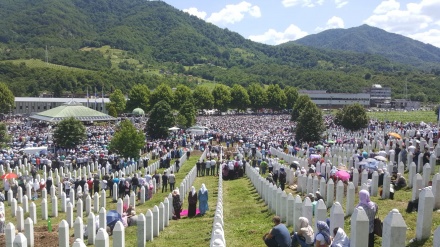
(59, 100)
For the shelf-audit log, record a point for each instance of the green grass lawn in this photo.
(36, 63)
(410, 116)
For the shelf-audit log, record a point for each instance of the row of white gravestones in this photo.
(290, 209)
(218, 234)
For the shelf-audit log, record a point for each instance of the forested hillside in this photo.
(372, 40)
(158, 43)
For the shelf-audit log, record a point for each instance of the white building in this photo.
(29, 105)
(336, 100)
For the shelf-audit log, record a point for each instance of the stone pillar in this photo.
(96, 203)
(20, 219)
(320, 212)
(436, 190)
(9, 234)
(309, 184)
(115, 192)
(336, 217)
(330, 192)
(386, 186)
(78, 228)
(79, 208)
(14, 205)
(360, 228)
(166, 204)
(133, 199)
(142, 201)
(19, 195)
(426, 174)
(91, 228)
(54, 206)
(323, 187)
(29, 231)
(120, 206)
(141, 228)
(417, 185)
(155, 221)
(119, 234)
(102, 198)
(44, 214)
(290, 209)
(355, 178)
(63, 234)
(350, 199)
(79, 243)
(297, 210)
(307, 209)
(340, 191)
(437, 237)
(102, 238)
(283, 207)
(149, 225)
(25, 204)
(72, 196)
(161, 216)
(170, 200)
(20, 240)
(424, 214)
(33, 212)
(63, 202)
(89, 205)
(278, 202)
(394, 230)
(412, 173)
(375, 183)
(102, 218)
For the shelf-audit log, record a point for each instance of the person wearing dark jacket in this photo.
(164, 181)
(96, 184)
(134, 182)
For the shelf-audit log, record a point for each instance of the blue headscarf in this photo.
(324, 230)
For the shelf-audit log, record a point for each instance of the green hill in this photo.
(372, 40)
(118, 43)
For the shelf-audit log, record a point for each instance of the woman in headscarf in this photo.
(177, 204)
(322, 238)
(371, 211)
(203, 200)
(192, 202)
(341, 239)
(304, 235)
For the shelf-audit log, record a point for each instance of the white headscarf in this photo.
(341, 239)
(203, 189)
(193, 190)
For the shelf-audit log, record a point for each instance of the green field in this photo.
(36, 63)
(401, 116)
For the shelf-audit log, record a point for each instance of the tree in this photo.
(118, 101)
(127, 140)
(139, 97)
(7, 100)
(181, 95)
(300, 104)
(203, 98)
(291, 96)
(187, 114)
(160, 120)
(69, 133)
(222, 97)
(257, 96)
(5, 138)
(162, 92)
(112, 110)
(352, 117)
(276, 99)
(310, 124)
(436, 110)
(239, 98)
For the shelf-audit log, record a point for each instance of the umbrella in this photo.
(112, 217)
(342, 175)
(395, 135)
(381, 158)
(9, 176)
(330, 142)
(174, 128)
(319, 146)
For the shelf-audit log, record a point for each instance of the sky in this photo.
(278, 21)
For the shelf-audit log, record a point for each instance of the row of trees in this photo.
(221, 97)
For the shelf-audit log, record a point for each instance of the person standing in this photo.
(96, 184)
(177, 204)
(213, 164)
(203, 200)
(278, 236)
(164, 181)
(135, 182)
(203, 168)
(157, 178)
(208, 167)
(282, 178)
(172, 180)
(371, 209)
(199, 167)
(192, 202)
(177, 163)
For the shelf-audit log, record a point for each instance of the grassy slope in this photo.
(36, 63)
(410, 116)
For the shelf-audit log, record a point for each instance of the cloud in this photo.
(340, 3)
(195, 12)
(386, 6)
(273, 37)
(334, 22)
(414, 18)
(303, 3)
(431, 36)
(231, 14)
